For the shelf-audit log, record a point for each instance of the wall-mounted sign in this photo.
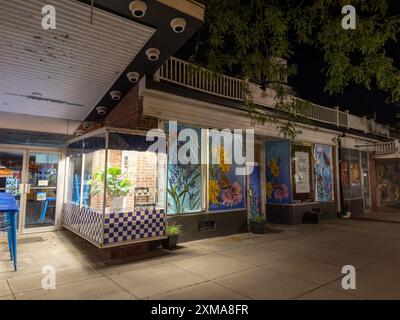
(302, 172)
(43, 183)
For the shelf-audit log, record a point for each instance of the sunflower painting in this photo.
(225, 188)
(278, 172)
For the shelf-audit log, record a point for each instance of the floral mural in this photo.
(278, 172)
(323, 172)
(255, 192)
(225, 188)
(184, 183)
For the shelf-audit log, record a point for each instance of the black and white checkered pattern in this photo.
(125, 226)
(84, 221)
(118, 227)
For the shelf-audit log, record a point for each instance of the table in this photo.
(9, 206)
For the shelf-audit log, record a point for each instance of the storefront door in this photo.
(32, 177)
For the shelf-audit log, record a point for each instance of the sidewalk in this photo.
(295, 262)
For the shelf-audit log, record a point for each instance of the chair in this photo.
(5, 226)
(46, 206)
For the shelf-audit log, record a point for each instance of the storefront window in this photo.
(184, 179)
(74, 175)
(134, 174)
(93, 166)
(351, 174)
(323, 173)
(388, 173)
(277, 155)
(226, 186)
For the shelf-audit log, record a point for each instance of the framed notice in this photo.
(302, 172)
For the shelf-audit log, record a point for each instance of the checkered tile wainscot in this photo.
(118, 227)
(125, 226)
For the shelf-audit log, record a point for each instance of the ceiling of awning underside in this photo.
(62, 73)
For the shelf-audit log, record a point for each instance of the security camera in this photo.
(115, 95)
(101, 110)
(133, 77)
(153, 54)
(138, 8)
(79, 132)
(86, 125)
(178, 25)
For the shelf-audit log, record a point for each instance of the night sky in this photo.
(309, 83)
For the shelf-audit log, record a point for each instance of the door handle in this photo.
(28, 188)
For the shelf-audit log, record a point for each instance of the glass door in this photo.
(41, 197)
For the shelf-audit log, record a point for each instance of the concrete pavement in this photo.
(294, 262)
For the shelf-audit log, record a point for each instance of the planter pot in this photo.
(257, 227)
(117, 203)
(170, 242)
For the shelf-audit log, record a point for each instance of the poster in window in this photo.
(355, 173)
(302, 172)
(278, 187)
(184, 180)
(323, 172)
(226, 188)
(345, 173)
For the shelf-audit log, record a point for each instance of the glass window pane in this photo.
(74, 154)
(133, 180)
(277, 156)
(323, 172)
(184, 177)
(226, 187)
(93, 172)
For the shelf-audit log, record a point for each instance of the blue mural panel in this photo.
(226, 188)
(323, 172)
(277, 155)
(255, 192)
(184, 180)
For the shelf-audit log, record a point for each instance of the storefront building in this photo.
(93, 173)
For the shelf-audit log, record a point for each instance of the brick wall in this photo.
(129, 114)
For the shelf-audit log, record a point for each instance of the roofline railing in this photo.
(185, 74)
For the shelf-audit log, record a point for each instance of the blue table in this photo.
(9, 206)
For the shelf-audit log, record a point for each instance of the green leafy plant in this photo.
(173, 229)
(259, 218)
(117, 186)
(243, 38)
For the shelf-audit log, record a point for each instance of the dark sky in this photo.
(309, 83)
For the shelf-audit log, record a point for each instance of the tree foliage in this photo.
(240, 37)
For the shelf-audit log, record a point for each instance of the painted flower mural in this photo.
(183, 188)
(184, 182)
(323, 172)
(225, 188)
(278, 172)
(255, 192)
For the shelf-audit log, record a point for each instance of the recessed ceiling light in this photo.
(138, 8)
(153, 54)
(178, 25)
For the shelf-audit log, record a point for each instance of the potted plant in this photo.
(257, 224)
(172, 230)
(117, 187)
